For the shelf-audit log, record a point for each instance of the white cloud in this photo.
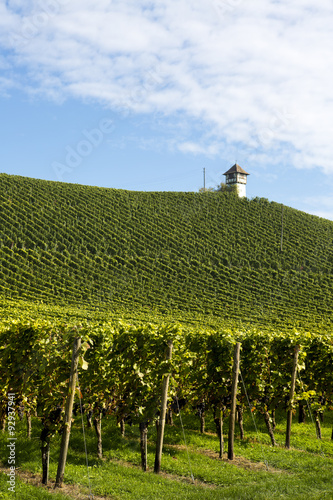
(254, 73)
(211, 149)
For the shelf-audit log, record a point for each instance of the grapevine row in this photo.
(122, 366)
(205, 253)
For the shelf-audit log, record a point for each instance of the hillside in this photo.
(172, 253)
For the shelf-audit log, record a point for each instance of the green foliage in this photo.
(75, 259)
(166, 254)
(123, 366)
(226, 188)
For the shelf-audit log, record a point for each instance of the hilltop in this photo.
(175, 254)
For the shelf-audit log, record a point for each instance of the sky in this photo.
(145, 94)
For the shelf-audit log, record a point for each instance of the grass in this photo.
(303, 472)
(26, 491)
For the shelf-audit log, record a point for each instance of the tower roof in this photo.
(236, 168)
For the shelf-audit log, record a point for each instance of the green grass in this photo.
(303, 472)
(24, 491)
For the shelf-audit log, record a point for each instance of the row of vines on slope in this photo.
(204, 253)
(122, 367)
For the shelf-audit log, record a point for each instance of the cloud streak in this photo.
(253, 74)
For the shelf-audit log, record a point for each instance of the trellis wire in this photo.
(91, 496)
(308, 404)
(254, 422)
(188, 455)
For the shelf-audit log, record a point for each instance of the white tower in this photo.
(236, 176)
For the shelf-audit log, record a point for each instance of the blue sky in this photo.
(143, 95)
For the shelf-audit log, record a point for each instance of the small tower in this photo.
(238, 177)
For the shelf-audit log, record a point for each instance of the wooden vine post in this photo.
(68, 413)
(160, 431)
(28, 416)
(291, 396)
(219, 429)
(143, 426)
(232, 418)
(98, 429)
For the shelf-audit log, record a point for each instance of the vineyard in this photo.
(183, 255)
(122, 366)
(125, 310)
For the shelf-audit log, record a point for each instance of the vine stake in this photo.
(235, 371)
(68, 414)
(291, 397)
(160, 432)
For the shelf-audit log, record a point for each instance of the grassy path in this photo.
(304, 472)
